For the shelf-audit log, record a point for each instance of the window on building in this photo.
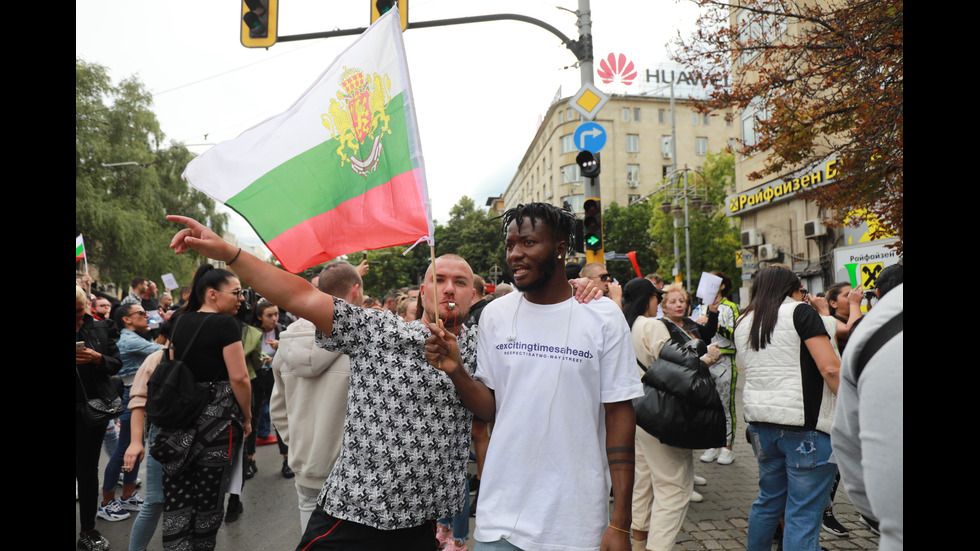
(561, 117)
(632, 143)
(662, 116)
(575, 202)
(696, 118)
(626, 114)
(750, 115)
(632, 198)
(701, 146)
(705, 118)
(636, 114)
(633, 175)
(729, 119)
(571, 174)
(666, 171)
(759, 28)
(568, 143)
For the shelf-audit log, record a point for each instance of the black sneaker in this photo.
(250, 469)
(286, 471)
(235, 509)
(830, 524)
(92, 541)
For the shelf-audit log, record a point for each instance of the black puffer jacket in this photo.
(101, 337)
(680, 405)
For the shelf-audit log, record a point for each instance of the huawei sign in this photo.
(615, 67)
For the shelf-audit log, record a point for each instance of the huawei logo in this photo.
(613, 67)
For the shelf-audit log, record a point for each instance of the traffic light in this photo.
(592, 225)
(588, 163)
(260, 23)
(381, 7)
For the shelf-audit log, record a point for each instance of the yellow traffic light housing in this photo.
(381, 7)
(260, 23)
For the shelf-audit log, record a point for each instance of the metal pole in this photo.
(687, 236)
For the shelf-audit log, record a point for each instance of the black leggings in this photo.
(88, 446)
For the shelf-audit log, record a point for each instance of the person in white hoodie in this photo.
(309, 399)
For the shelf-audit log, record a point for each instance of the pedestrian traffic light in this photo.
(260, 23)
(592, 225)
(588, 163)
(381, 7)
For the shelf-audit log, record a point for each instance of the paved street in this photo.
(271, 521)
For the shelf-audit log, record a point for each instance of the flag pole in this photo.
(435, 289)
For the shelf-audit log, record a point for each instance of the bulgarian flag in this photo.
(341, 170)
(79, 248)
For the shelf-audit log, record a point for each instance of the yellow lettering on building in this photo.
(831, 172)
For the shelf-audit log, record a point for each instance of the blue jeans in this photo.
(794, 481)
(114, 467)
(146, 523)
(461, 522)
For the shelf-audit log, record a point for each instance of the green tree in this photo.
(121, 208)
(714, 238)
(625, 230)
(471, 234)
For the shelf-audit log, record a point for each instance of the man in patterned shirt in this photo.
(406, 435)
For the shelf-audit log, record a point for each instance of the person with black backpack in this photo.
(196, 458)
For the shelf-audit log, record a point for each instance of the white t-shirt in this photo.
(545, 483)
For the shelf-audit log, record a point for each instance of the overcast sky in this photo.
(480, 89)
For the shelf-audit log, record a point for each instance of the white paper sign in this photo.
(169, 282)
(708, 287)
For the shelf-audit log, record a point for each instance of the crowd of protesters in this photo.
(376, 402)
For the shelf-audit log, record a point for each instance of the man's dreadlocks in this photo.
(561, 220)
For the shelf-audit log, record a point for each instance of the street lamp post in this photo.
(677, 199)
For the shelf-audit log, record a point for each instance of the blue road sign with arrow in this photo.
(590, 136)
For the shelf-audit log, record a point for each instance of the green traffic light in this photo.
(592, 240)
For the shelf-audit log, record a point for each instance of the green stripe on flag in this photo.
(314, 182)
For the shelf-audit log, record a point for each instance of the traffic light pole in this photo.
(592, 188)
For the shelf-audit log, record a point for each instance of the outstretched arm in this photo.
(291, 292)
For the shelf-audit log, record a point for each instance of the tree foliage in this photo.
(714, 238)
(470, 233)
(824, 78)
(624, 229)
(120, 209)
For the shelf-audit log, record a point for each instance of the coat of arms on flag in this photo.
(357, 118)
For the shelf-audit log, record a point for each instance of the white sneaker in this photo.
(726, 456)
(134, 503)
(112, 512)
(699, 480)
(696, 497)
(710, 455)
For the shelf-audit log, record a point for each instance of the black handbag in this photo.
(106, 405)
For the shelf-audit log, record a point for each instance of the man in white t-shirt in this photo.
(557, 377)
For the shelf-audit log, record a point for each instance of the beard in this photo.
(546, 270)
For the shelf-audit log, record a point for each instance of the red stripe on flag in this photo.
(386, 215)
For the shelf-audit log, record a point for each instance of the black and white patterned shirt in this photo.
(407, 434)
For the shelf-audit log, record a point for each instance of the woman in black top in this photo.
(94, 364)
(193, 485)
